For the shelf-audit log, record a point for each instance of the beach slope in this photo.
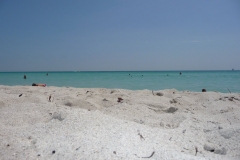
(97, 123)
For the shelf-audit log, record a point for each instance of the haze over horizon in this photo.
(111, 35)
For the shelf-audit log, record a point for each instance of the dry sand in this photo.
(80, 123)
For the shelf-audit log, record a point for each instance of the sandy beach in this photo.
(97, 123)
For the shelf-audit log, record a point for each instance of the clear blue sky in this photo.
(90, 35)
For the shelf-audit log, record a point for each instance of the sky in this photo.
(119, 35)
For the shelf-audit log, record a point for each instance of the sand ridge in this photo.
(92, 123)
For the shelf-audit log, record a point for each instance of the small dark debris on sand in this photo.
(150, 155)
(159, 94)
(20, 95)
(68, 104)
(173, 101)
(196, 149)
(49, 98)
(141, 137)
(229, 122)
(171, 110)
(119, 99)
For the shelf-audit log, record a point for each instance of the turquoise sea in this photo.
(220, 81)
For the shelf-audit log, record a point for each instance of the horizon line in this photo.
(123, 71)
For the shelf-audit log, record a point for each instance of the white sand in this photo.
(77, 124)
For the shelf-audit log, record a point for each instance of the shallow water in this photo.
(221, 81)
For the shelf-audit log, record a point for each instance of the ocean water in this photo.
(220, 81)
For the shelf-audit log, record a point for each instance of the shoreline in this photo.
(98, 123)
(184, 91)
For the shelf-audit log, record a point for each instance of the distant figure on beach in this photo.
(42, 85)
(25, 77)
